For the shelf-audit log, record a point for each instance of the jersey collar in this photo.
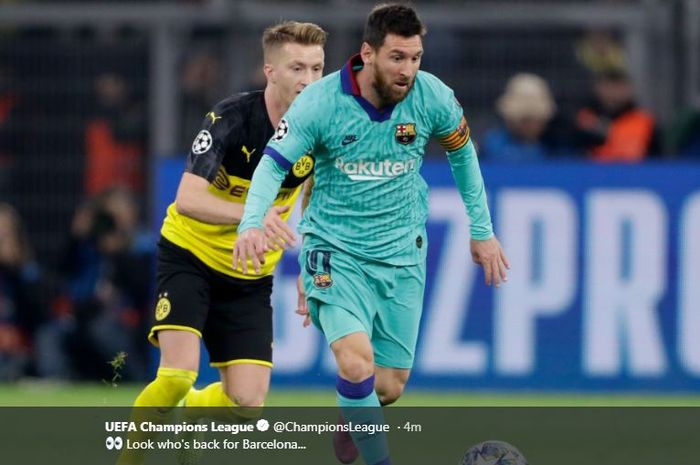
(349, 84)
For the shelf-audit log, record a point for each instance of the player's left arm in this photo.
(454, 135)
(485, 248)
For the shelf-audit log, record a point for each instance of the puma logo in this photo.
(213, 117)
(247, 153)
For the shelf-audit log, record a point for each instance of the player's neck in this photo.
(274, 106)
(367, 90)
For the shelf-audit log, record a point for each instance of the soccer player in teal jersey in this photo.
(364, 250)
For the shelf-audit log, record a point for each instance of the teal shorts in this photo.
(347, 294)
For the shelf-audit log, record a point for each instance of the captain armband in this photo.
(456, 139)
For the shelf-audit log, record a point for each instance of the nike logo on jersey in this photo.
(213, 117)
(349, 139)
(247, 153)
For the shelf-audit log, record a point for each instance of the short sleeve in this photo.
(217, 132)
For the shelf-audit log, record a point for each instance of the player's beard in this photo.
(387, 92)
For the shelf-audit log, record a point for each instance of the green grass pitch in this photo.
(579, 436)
(74, 395)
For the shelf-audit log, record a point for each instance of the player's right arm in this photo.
(208, 149)
(302, 305)
(295, 135)
(219, 131)
(194, 200)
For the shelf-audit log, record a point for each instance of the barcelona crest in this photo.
(405, 133)
(323, 280)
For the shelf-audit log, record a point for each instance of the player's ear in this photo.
(269, 71)
(367, 53)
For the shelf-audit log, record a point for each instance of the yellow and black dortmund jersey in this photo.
(226, 151)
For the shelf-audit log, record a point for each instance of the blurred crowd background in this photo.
(93, 94)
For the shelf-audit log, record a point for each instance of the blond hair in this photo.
(294, 32)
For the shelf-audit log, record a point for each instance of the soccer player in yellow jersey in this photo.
(199, 294)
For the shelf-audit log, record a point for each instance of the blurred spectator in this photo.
(529, 130)
(201, 84)
(114, 138)
(599, 51)
(108, 263)
(20, 306)
(613, 128)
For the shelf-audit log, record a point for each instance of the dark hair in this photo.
(391, 18)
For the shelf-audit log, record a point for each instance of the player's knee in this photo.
(354, 367)
(355, 371)
(249, 398)
(253, 400)
(388, 394)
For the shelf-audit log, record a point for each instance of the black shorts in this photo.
(232, 316)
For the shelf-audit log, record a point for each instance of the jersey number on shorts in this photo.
(322, 278)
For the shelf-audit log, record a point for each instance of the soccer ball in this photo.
(202, 142)
(493, 453)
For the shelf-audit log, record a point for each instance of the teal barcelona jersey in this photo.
(369, 198)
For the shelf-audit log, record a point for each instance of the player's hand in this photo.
(278, 233)
(302, 306)
(251, 244)
(490, 256)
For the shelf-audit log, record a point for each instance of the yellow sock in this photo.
(170, 386)
(212, 395)
(155, 404)
(224, 409)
